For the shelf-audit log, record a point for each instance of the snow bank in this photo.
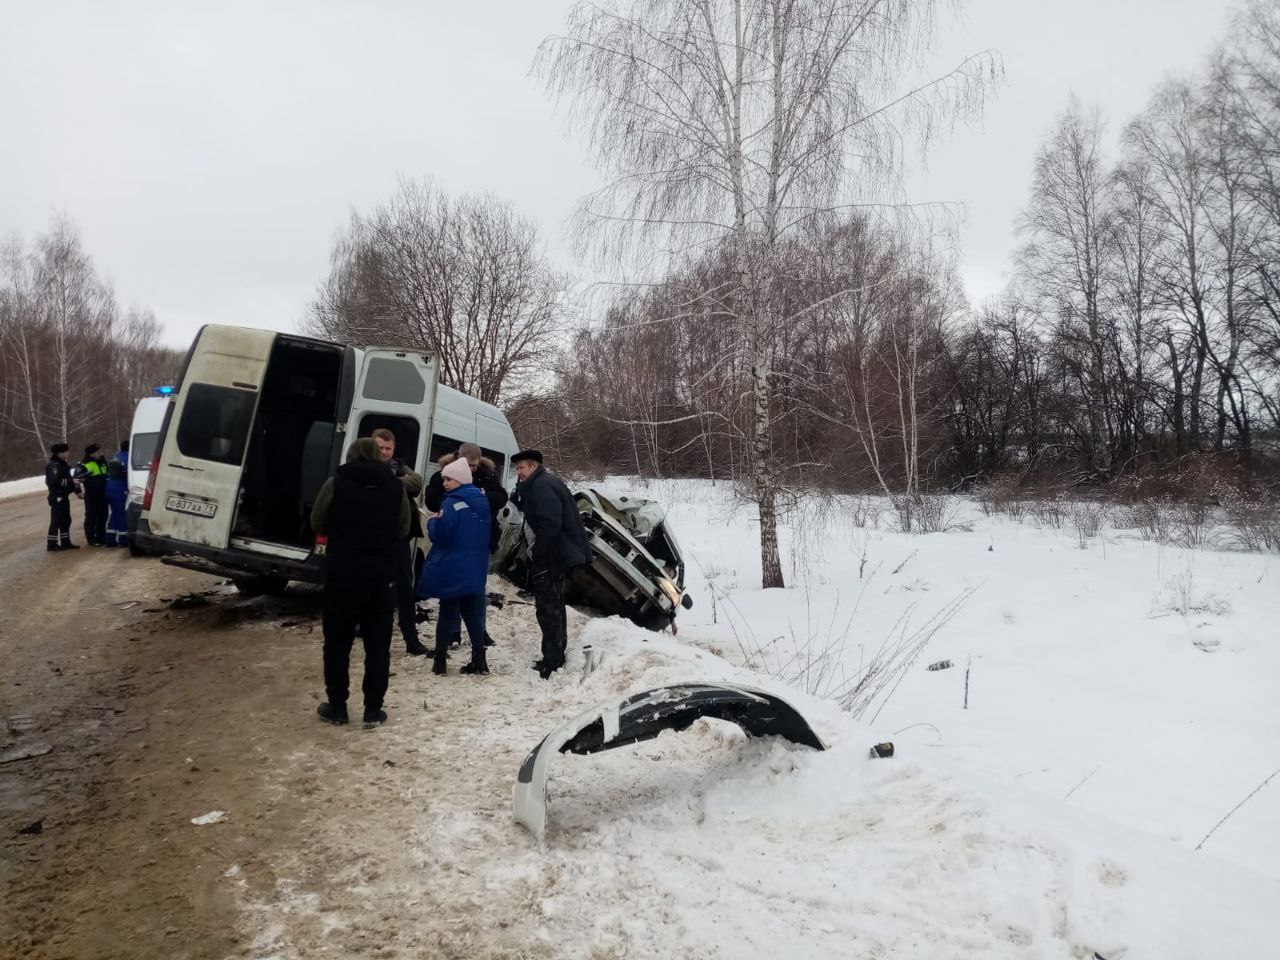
(19, 488)
(706, 843)
(1136, 677)
(1055, 817)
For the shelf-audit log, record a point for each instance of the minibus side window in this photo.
(394, 380)
(440, 445)
(215, 422)
(406, 431)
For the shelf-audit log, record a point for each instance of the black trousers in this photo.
(95, 513)
(548, 605)
(454, 611)
(406, 594)
(60, 521)
(370, 606)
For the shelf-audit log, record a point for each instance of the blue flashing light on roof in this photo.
(163, 391)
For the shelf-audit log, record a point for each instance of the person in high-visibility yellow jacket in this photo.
(92, 474)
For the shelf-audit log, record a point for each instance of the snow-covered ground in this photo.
(1121, 700)
(18, 488)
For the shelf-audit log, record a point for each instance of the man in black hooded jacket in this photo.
(364, 513)
(559, 545)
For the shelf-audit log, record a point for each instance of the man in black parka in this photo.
(559, 545)
(363, 511)
(57, 478)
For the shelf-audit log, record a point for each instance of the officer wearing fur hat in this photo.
(57, 478)
(458, 565)
(559, 545)
(364, 513)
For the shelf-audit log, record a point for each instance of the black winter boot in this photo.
(545, 669)
(476, 666)
(331, 714)
(438, 666)
(414, 648)
(374, 718)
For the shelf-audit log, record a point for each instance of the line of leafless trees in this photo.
(1144, 321)
(1140, 331)
(464, 278)
(73, 362)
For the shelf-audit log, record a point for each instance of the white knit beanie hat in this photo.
(459, 470)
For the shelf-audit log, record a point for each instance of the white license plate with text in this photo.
(201, 508)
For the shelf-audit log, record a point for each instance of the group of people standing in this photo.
(368, 515)
(102, 484)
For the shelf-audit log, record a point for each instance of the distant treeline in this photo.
(1140, 332)
(73, 363)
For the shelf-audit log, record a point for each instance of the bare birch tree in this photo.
(70, 368)
(735, 122)
(20, 335)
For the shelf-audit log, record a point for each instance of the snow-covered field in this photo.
(1122, 699)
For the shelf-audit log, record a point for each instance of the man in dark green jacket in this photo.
(364, 514)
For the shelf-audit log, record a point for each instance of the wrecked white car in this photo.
(636, 570)
(644, 716)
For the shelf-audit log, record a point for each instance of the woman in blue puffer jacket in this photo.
(457, 566)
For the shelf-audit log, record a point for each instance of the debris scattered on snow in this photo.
(213, 816)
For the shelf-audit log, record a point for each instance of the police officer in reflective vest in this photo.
(91, 472)
(57, 478)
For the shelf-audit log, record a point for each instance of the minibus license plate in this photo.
(201, 508)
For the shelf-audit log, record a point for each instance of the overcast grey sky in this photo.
(210, 152)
